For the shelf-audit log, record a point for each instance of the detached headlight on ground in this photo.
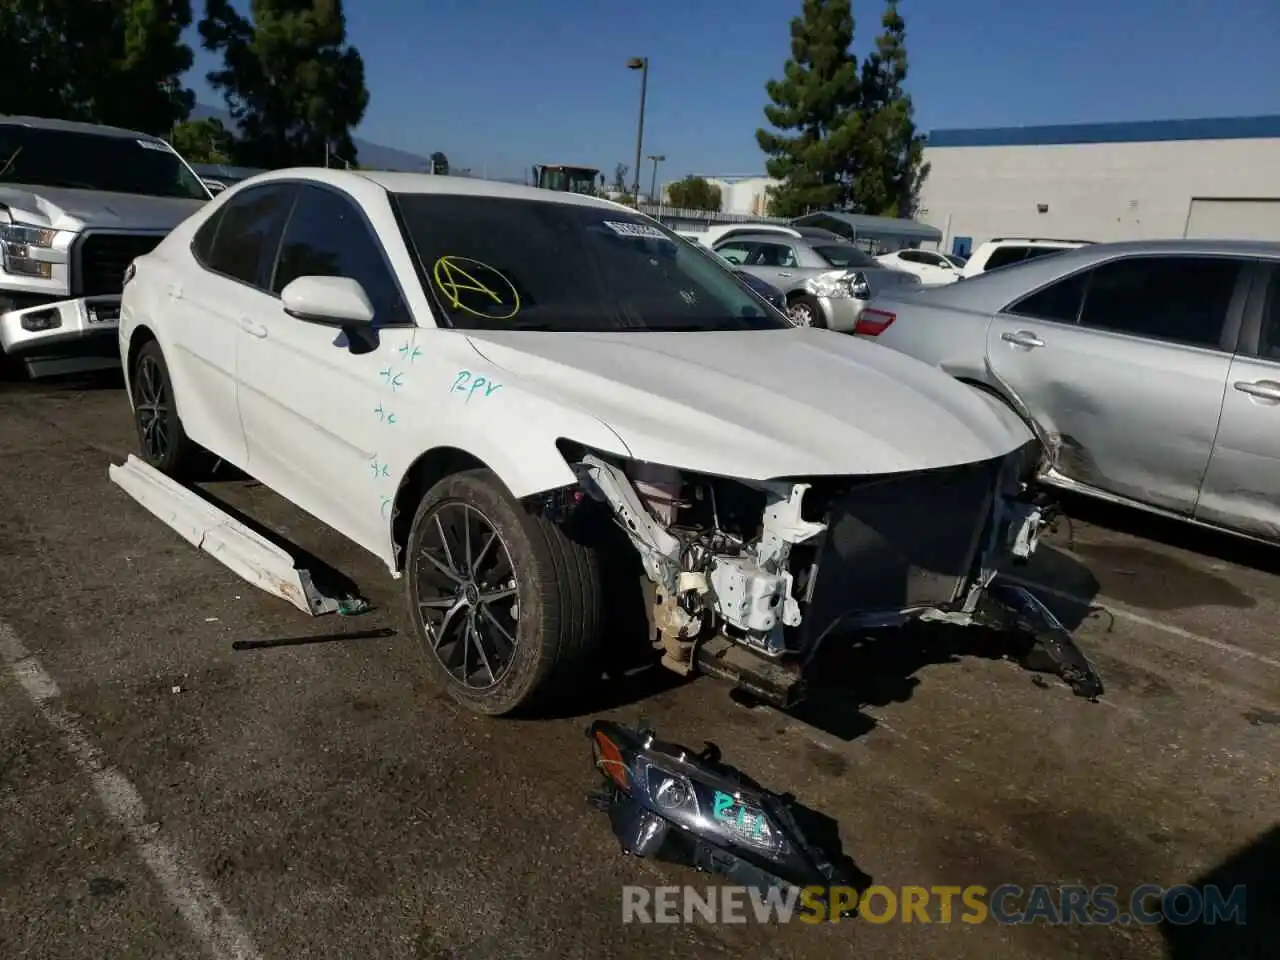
(670, 803)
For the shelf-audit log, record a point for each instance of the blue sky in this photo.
(501, 84)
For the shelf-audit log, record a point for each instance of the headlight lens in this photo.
(21, 247)
(841, 285)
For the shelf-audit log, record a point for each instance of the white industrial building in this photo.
(1105, 182)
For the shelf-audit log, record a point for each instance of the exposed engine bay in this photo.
(775, 567)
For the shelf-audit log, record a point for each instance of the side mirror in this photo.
(332, 301)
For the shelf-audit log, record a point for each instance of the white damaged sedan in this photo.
(543, 409)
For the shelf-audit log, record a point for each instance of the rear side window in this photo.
(1182, 299)
(244, 248)
(1003, 256)
(1059, 301)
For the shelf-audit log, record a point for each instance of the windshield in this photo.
(845, 255)
(90, 161)
(955, 259)
(492, 263)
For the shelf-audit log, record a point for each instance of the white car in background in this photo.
(933, 268)
(520, 399)
(1003, 251)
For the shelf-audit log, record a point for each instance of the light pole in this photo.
(641, 64)
(657, 158)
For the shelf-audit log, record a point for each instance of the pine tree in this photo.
(889, 168)
(117, 62)
(293, 85)
(816, 103)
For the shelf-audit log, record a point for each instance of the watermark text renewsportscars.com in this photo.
(1006, 904)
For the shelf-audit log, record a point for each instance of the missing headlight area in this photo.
(770, 569)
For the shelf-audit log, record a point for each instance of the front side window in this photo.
(327, 237)
(772, 255)
(244, 247)
(1183, 299)
(735, 252)
(493, 263)
(845, 255)
(92, 161)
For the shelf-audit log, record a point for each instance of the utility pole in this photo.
(641, 64)
(657, 158)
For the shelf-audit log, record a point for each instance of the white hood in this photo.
(75, 210)
(758, 405)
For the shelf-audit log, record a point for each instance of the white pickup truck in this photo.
(78, 202)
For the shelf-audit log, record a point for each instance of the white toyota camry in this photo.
(542, 410)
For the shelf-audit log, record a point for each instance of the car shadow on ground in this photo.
(1173, 533)
(1256, 868)
(13, 376)
(880, 668)
(328, 580)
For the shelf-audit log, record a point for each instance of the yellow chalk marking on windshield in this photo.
(453, 280)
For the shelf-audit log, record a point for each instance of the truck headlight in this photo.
(23, 249)
(841, 285)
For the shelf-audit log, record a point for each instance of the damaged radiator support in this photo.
(259, 561)
(731, 600)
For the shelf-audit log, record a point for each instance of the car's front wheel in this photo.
(505, 604)
(805, 311)
(163, 442)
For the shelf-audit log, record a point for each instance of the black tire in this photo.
(162, 441)
(557, 592)
(811, 306)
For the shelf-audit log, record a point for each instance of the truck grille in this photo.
(98, 261)
(901, 542)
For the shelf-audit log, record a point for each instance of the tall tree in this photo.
(889, 168)
(118, 62)
(620, 177)
(202, 141)
(694, 193)
(292, 83)
(814, 112)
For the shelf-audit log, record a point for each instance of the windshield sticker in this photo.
(154, 145)
(476, 288)
(641, 230)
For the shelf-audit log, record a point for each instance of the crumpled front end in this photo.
(771, 569)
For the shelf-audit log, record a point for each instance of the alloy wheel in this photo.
(151, 407)
(801, 315)
(467, 596)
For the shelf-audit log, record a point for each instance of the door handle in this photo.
(251, 328)
(1022, 338)
(783, 274)
(175, 291)
(1263, 389)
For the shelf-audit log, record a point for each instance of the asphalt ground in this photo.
(163, 795)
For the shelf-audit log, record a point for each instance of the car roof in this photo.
(425, 183)
(992, 290)
(766, 237)
(73, 126)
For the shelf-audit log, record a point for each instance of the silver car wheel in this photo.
(801, 315)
